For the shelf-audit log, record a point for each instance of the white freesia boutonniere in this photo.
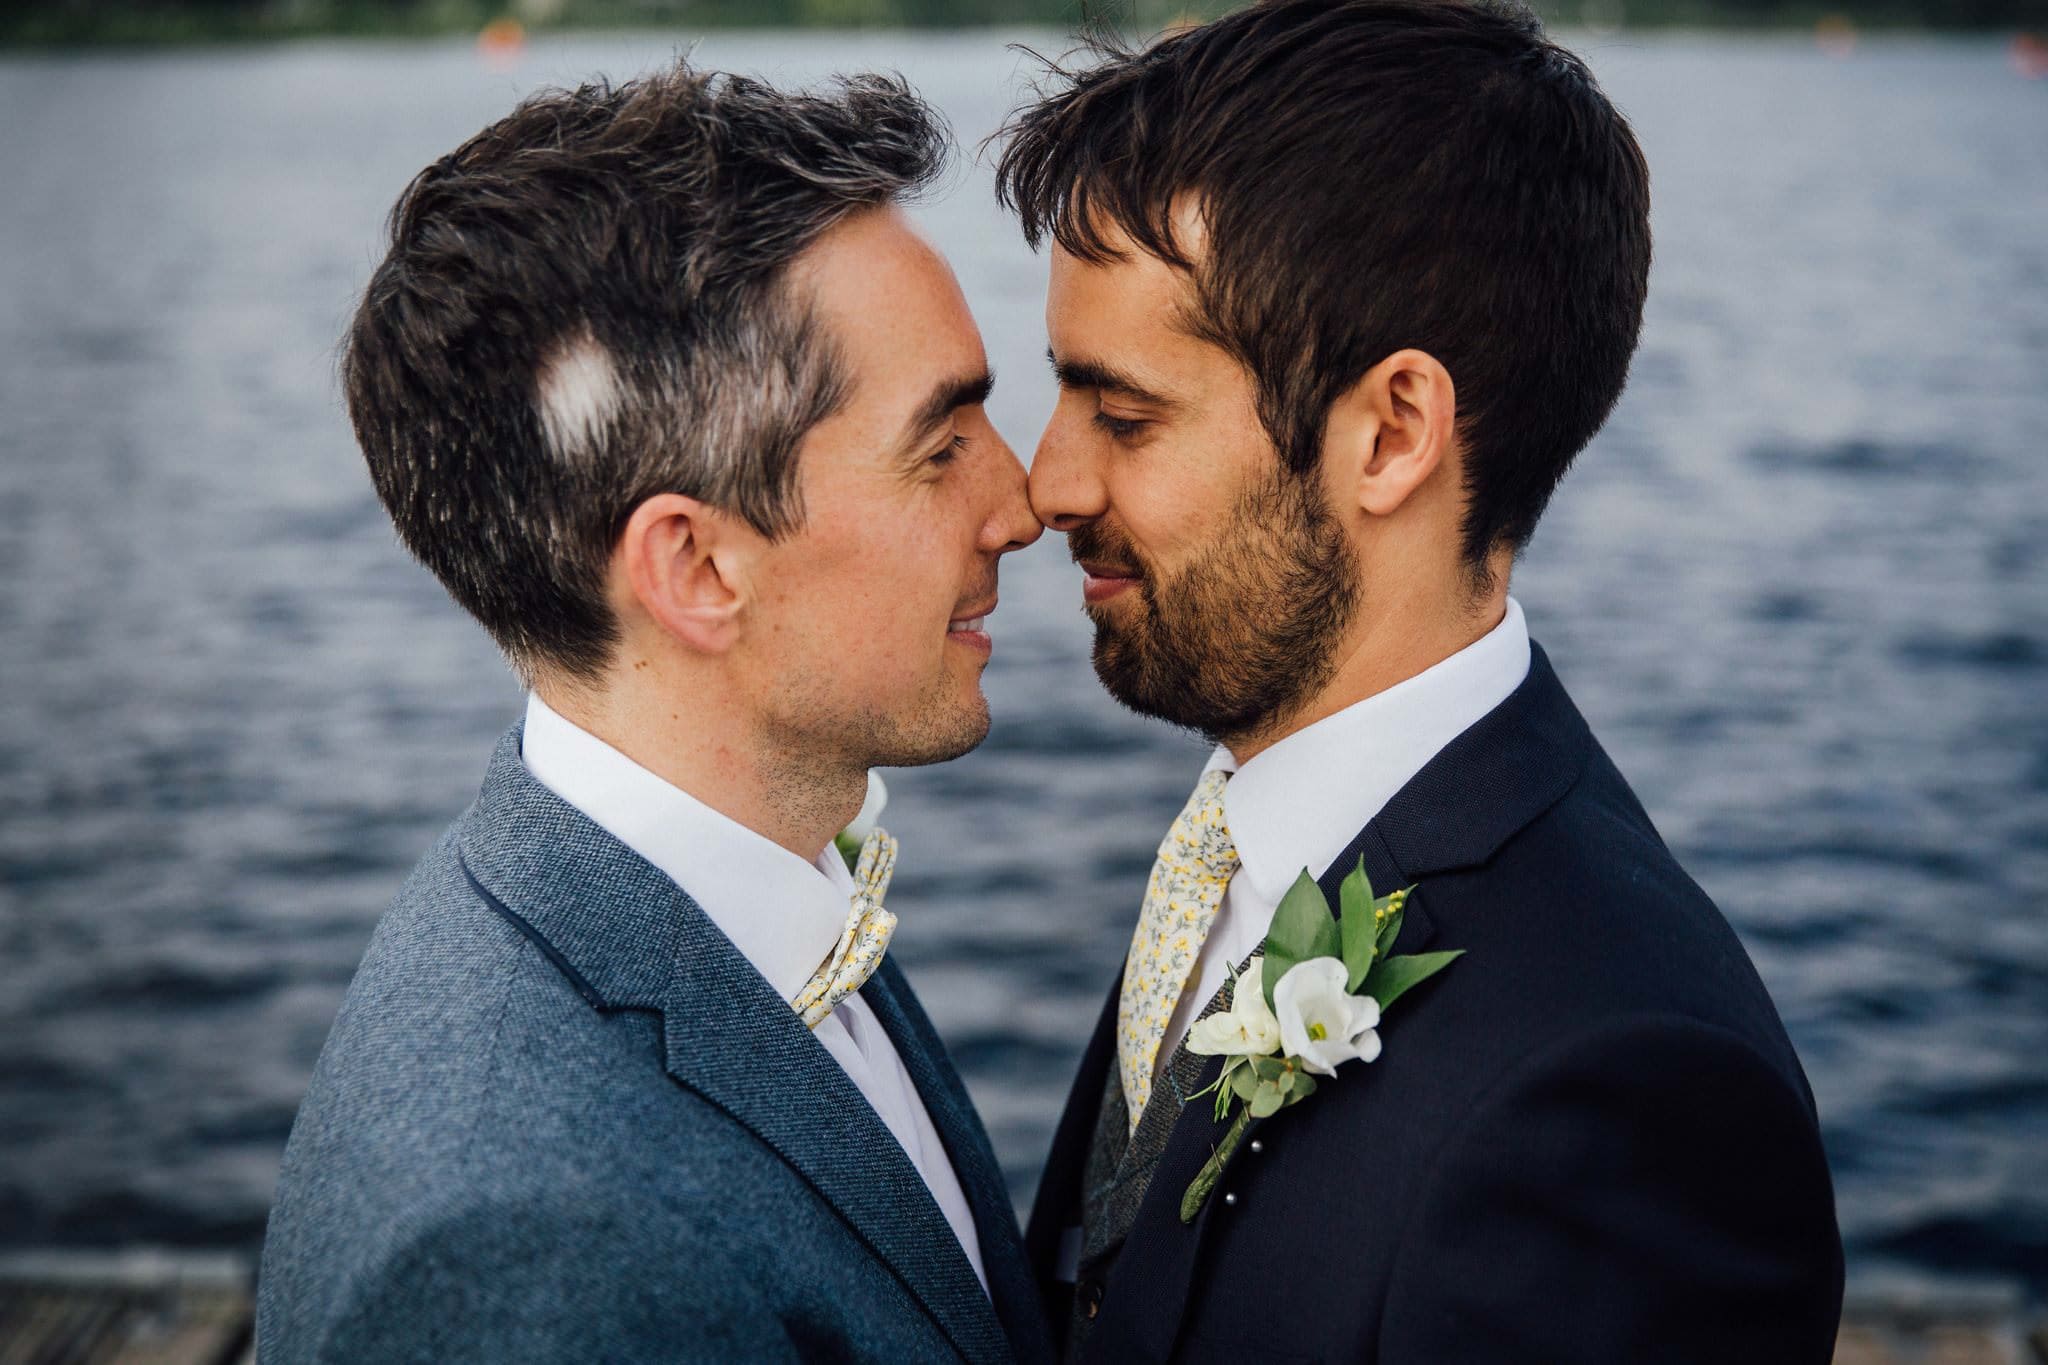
(849, 840)
(1310, 1001)
(1247, 1029)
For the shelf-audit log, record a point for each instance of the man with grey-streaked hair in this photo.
(662, 386)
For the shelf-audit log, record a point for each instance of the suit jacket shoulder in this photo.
(487, 1168)
(1590, 1123)
(559, 1116)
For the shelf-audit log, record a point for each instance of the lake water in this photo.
(1799, 586)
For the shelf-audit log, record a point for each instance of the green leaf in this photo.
(1357, 926)
(1225, 1085)
(849, 849)
(1244, 1080)
(1212, 1169)
(1394, 977)
(1304, 1086)
(1269, 1068)
(1230, 1064)
(1268, 1101)
(1302, 928)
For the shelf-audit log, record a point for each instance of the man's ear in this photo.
(1391, 431)
(684, 563)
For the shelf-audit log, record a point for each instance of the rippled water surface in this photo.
(1797, 586)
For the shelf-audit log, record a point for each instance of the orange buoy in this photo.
(2030, 55)
(1836, 35)
(501, 41)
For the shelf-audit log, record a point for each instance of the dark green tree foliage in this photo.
(55, 22)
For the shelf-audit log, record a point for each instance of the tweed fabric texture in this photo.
(861, 944)
(561, 1117)
(1195, 863)
(1121, 1161)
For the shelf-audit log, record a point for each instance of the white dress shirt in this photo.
(1297, 804)
(784, 915)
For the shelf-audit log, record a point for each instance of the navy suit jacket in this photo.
(1587, 1140)
(560, 1117)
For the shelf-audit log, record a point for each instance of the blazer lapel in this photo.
(1482, 789)
(628, 938)
(952, 1114)
(1147, 1290)
(743, 1048)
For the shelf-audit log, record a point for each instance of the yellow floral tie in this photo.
(860, 947)
(1195, 864)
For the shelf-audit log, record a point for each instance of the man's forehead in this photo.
(890, 301)
(1131, 270)
(875, 271)
(1136, 318)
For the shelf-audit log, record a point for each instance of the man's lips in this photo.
(1101, 581)
(969, 626)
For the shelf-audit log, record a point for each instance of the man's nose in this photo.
(1011, 526)
(1066, 488)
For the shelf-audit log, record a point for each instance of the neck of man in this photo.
(1400, 630)
(685, 720)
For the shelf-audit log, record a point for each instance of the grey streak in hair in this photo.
(588, 304)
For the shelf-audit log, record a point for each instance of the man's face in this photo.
(864, 638)
(1218, 582)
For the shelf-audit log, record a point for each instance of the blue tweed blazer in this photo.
(559, 1117)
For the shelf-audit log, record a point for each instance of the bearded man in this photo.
(1339, 288)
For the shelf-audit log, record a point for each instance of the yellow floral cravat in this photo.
(860, 947)
(1195, 864)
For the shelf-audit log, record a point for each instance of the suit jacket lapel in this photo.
(628, 938)
(1057, 1207)
(1148, 1282)
(1482, 789)
(743, 1048)
(952, 1114)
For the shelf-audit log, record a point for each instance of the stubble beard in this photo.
(1238, 640)
(820, 741)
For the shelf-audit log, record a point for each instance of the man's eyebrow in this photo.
(1095, 374)
(947, 396)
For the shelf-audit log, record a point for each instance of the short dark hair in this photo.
(586, 305)
(1372, 175)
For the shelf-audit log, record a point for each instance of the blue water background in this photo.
(1797, 585)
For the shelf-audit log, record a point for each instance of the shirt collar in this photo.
(782, 913)
(1297, 804)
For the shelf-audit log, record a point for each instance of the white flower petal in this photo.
(1218, 1036)
(1311, 997)
(870, 809)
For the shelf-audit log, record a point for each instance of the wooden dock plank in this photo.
(148, 1309)
(167, 1309)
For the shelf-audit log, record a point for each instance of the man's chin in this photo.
(939, 733)
(1121, 673)
(1148, 688)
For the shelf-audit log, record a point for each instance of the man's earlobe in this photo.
(1393, 429)
(681, 562)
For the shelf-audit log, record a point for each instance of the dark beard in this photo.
(1235, 642)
